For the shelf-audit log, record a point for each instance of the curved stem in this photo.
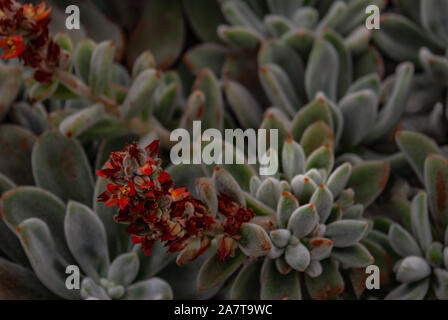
(77, 86)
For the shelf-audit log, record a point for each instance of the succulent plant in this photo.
(312, 226)
(57, 227)
(424, 259)
(361, 117)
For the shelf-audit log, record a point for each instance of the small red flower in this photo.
(36, 13)
(12, 46)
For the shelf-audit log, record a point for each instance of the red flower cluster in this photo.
(24, 29)
(157, 211)
(149, 202)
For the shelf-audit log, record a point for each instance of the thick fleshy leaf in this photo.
(19, 283)
(239, 13)
(269, 192)
(286, 206)
(152, 289)
(368, 82)
(434, 20)
(360, 111)
(167, 96)
(247, 283)
(416, 147)
(140, 93)
(86, 238)
(354, 212)
(320, 248)
(184, 284)
(204, 17)
(322, 198)
(328, 285)
(413, 269)
(355, 14)
(82, 58)
(382, 256)
(368, 62)
(346, 233)
(277, 53)
(245, 107)
(441, 287)
(400, 38)
(409, 291)
(320, 158)
(275, 286)
(277, 25)
(368, 180)
(207, 55)
(275, 119)
(15, 154)
(306, 17)
(259, 208)
(153, 263)
(124, 269)
(90, 289)
(420, 223)
(334, 14)
(239, 37)
(279, 88)
(5, 184)
(254, 241)
(33, 118)
(358, 40)
(47, 264)
(435, 254)
(339, 178)
(346, 198)
(42, 91)
(297, 256)
(434, 65)
(301, 41)
(293, 159)
(165, 46)
(303, 188)
(193, 110)
(436, 182)
(356, 256)
(394, 107)
(282, 266)
(322, 70)
(316, 136)
(402, 242)
(11, 246)
(212, 113)
(316, 110)
(61, 166)
(144, 61)
(100, 73)
(285, 8)
(29, 202)
(10, 76)
(280, 237)
(303, 220)
(345, 61)
(214, 271)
